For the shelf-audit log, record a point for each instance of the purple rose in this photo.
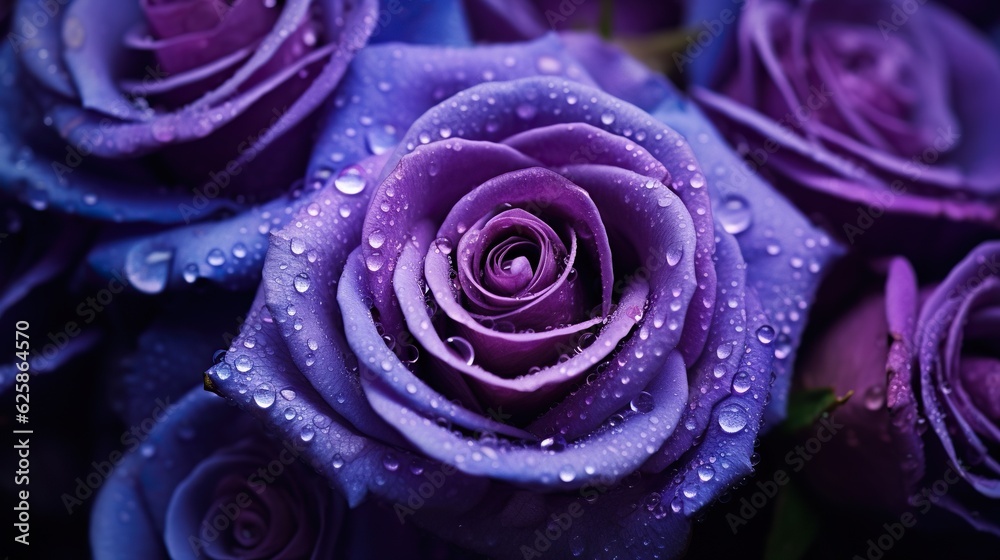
(181, 94)
(917, 358)
(537, 314)
(881, 120)
(205, 482)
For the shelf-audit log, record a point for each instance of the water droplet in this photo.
(697, 181)
(526, 111)
(297, 246)
(444, 245)
(411, 388)
(643, 403)
(239, 250)
(390, 463)
(741, 382)
(223, 371)
(548, 65)
(216, 257)
(149, 273)
(376, 239)
(677, 504)
(735, 215)
(765, 334)
(608, 118)
(732, 419)
(706, 472)
(190, 273)
(243, 364)
(307, 433)
(287, 394)
(338, 461)
(379, 141)
(567, 474)
(874, 397)
(674, 254)
(301, 282)
(350, 181)
(375, 262)
(289, 413)
(724, 350)
(147, 450)
(263, 396)
(554, 443)
(462, 349)
(719, 370)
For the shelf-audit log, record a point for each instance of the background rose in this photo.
(859, 111)
(183, 178)
(374, 425)
(198, 87)
(916, 359)
(191, 491)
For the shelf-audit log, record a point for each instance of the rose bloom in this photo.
(537, 323)
(191, 490)
(922, 428)
(880, 120)
(120, 111)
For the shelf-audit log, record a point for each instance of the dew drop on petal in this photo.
(462, 348)
(732, 419)
(765, 334)
(301, 282)
(263, 396)
(643, 403)
(734, 214)
(741, 382)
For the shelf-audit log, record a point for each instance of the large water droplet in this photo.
(222, 371)
(706, 472)
(567, 474)
(149, 272)
(375, 262)
(263, 396)
(674, 254)
(555, 443)
(216, 257)
(874, 397)
(243, 364)
(462, 348)
(741, 382)
(765, 334)
(734, 214)
(732, 419)
(643, 403)
(297, 246)
(301, 282)
(350, 181)
(190, 273)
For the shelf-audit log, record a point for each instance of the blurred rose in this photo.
(884, 121)
(180, 94)
(917, 359)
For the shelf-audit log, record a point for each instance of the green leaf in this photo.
(606, 18)
(805, 407)
(794, 527)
